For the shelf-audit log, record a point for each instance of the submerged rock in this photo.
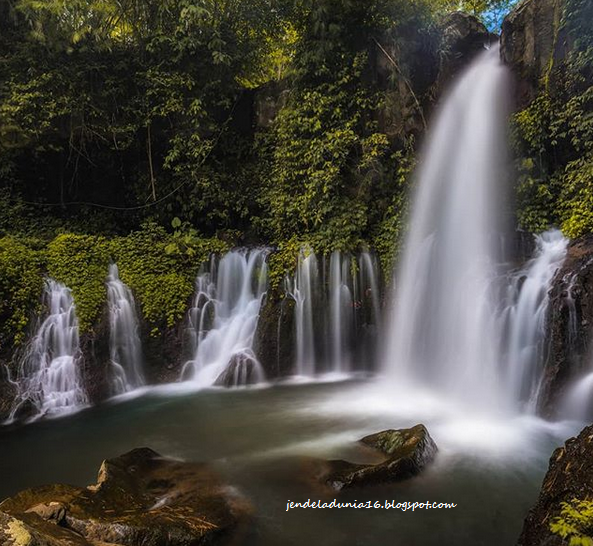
(569, 479)
(409, 451)
(242, 370)
(140, 498)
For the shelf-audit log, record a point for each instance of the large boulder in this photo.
(570, 319)
(274, 340)
(408, 453)
(242, 370)
(140, 498)
(569, 479)
(532, 42)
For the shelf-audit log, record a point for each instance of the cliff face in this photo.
(532, 42)
(569, 478)
(570, 323)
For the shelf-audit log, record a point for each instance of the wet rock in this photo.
(463, 36)
(274, 340)
(409, 451)
(569, 322)
(139, 498)
(243, 369)
(532, 42)
(569, 477)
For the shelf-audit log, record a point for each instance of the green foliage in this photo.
(80, 262)
(554, 138)
(162, 277)
(21, 284)
(575, 523)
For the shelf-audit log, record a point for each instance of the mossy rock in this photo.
(409, 452)
(139, 498)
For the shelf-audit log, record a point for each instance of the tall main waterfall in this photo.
(446, 331)
(125, 345)
(49, 379)
(223, 320)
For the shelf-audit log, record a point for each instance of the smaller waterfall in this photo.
(125, 344)
(223, 320)
(337, 312)
(49, 380)
(303, 289)
(525, 318)
(341, 311)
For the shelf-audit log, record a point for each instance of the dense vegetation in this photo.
(554, 134)
(154, 132)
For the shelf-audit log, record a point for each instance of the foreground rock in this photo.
(409, 451)
(140, 499)
(569, 478)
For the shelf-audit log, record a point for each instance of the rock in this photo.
(274, 340)
(463, 36)
(243, 369)
(268, 101)
(532, 42)
(568, 325)
(409, 451)
(139, 498)
(52, 511)
(569, 477)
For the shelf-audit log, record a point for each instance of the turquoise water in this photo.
(491, 468)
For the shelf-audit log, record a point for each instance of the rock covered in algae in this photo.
(408, 453)
(569, 480)
(140, 498)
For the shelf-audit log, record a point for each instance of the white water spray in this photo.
(223, 321)
(49, 377)
(125, 344)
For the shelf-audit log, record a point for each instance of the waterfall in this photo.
(443, 332)
(49, 380)
(337, 314)
(525, 317)
(341, 311)
(125, 344)
(223, 320)
(303, 290)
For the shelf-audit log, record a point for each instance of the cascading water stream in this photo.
(303, 290)
(341, 311)
(49, 379)
(223, 320)
(336, 315)
(443, 332)
(524, 319)
(125, 344)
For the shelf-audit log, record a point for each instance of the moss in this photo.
(81, 262)
(21, 284)
(160, 271)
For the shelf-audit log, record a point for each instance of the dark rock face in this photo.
(275, 335)
(409, 451)
(139, 498)
(95, 360)
(570, 476)
(570, 323)
(7, 393)
(532, 41)
(463, 37)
